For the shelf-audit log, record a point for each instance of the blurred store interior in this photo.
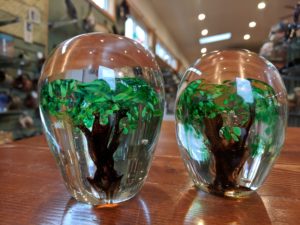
(177, 32)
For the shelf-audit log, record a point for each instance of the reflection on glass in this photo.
(102, 109)
(230, 128)
(134, 31)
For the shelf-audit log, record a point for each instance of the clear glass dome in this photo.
(101, 103)
(231, 114)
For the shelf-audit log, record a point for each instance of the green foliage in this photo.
(201, 101)
(231, 133)
(81, 102)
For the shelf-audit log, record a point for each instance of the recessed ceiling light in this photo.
(201, 17)
(215, 38)
(247, 36)
(261, 5)
(252, 24)
(203, 50)
(204, 32)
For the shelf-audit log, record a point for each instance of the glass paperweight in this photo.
(101, 103)
(231, 114)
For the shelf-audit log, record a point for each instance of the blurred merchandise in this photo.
(31, 100)
(23, 82)
(89, 21)
(283, 45)
(7, 45)
(25, 121)
(293, 57)
(171, 81)
(5, 137)
(5, 99)
(294, 100)
(276, 48)
(283, 50)
(15, 103)
(291, 79)
(293, 39)
(19, 73)
(123, 11)
(5, 78)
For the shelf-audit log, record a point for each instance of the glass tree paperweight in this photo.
(231, 114)
(101, 104)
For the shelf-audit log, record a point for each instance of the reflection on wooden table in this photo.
(32, 191)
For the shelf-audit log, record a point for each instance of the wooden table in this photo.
(32, 191)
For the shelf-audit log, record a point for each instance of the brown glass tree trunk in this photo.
(229, 156)
(228, 165)
(106, 177)
(103, 141)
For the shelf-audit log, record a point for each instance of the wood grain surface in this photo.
(32, 191)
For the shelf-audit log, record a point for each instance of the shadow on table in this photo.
(197, 207)
(134, 211)
(125, 213)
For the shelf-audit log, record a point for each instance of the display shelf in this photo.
(291, 79)
(20, 113)
(171, 82)
(11, 112)
(19, 63)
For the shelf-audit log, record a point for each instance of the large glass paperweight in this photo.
(231, 114)
(101, 104)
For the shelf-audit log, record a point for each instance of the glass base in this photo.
(237, 192)
(101, 203)
(94, 198)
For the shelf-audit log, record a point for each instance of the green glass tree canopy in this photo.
(231, 115)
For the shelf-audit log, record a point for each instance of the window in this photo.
(136, 32)
(106, 5)
(165, 55)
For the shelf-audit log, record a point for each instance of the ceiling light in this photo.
(215, 38)
(252, 24)
(201, 16)
(204, 32)
(203, 50)
(247, 36)
(261, 5)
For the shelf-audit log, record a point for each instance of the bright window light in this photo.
(104, 4)
(244, 90)
(136, 32)
(215, 38)
(164, 54)
(129, 28)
